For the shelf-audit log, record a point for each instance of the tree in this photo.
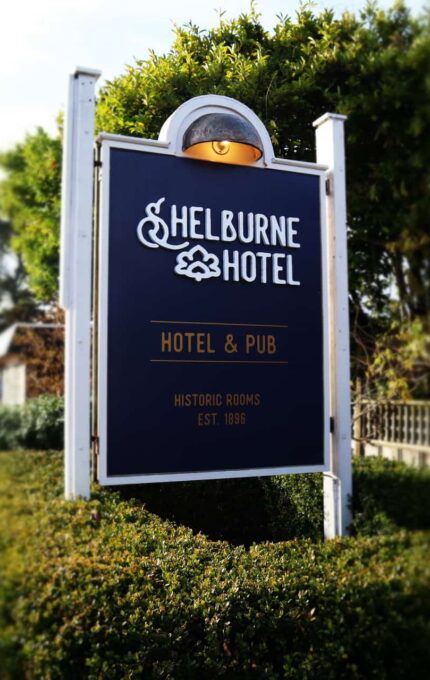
(30, 199)
(372, 68)
(16, 301)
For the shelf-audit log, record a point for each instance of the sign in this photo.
(213, 328)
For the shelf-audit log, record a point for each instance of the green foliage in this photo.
(240, 511)
(282, 508)
(389, 495)
(10, 423)
(30, 198)
(39, 424)
(105, 589)
(42, 423)
(16, 301)
(372, 68)
(400, 364)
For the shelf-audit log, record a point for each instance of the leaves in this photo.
(30, 197)
(38, 424)
(370, 67)
(106, 589)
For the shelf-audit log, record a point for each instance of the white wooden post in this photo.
(75, 276)
(338, 482)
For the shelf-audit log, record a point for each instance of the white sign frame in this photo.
(170, 143)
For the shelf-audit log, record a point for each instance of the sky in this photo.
(42, 41)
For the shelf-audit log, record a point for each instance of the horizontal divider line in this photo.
(212, 361)
(224, 323)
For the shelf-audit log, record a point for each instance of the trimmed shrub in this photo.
(42, 423)
(105, 589)
(241, 511)
(10, 425)
(390, 494)
(38, 424)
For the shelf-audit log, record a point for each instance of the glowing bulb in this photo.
(221, 148)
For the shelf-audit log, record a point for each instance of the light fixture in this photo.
(223, 138)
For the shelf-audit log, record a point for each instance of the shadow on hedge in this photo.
(387, 496)
(390, 493)
(240, 511)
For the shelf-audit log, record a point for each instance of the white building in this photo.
(31, 361)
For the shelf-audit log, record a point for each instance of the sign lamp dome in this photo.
(223, 138)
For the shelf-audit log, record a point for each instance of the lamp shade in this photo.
(223, 138)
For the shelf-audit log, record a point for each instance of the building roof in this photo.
(6, 339)
(8, 336)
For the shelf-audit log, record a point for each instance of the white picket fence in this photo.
(396, 430)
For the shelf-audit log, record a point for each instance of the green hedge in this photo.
(390, 494)
(106, 589)
(241, 511)
(10, 424)
(38, 424)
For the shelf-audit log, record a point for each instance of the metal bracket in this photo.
(95, 439)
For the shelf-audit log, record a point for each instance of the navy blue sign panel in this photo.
(212, 356)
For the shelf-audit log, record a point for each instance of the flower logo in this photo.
(197, 264)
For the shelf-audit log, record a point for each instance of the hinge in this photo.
(328, 186)
(98, 164)
(331, 425)
(95, 439)
(95, 446)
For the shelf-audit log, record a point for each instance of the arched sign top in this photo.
(176, 125)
